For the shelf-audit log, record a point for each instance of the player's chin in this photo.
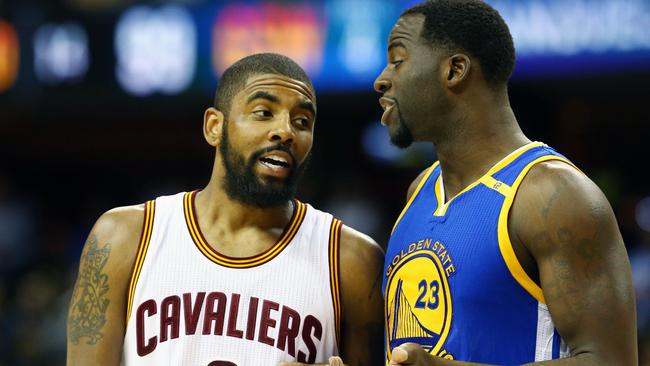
(401, 141)
(275, 180)
(400, 135)
(275, 184)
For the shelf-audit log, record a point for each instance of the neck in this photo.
(485, 135)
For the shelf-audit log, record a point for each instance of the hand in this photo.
(333, 361)
(410, 354)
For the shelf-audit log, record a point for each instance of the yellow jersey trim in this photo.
(496, 185)
(440, 193)
(415, 193)
(145, 237)
(505, 245)
(247, 262)
(334, 263)
(498, 166)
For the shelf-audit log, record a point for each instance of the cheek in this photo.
(303, 146)
(413, 98)
(424, 83)
(247, 135)
(424, 91)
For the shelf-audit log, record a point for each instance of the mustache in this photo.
(257, 154)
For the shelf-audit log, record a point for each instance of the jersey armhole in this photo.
(505, 244)
(145, 237)
(334, 269)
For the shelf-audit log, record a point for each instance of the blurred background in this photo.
(101, 105)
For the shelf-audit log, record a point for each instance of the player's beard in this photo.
(402, 137)
(244, 185)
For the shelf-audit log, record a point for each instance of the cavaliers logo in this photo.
(418, 303)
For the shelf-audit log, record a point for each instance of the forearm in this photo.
(584, 359)
(94, 357)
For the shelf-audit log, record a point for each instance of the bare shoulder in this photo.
(557, 199)
(120, 221)
(359, 249)
(362, 262)
(116, 236)
(416, 182)
(556, 177)
(112, 245)
(121, 228)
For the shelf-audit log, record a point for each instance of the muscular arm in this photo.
(97, 310)
(362, 303)
(564, 222)
(568, 226)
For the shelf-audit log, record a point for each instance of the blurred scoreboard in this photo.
(182, 46)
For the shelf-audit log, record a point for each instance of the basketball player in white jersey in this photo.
(239, 272)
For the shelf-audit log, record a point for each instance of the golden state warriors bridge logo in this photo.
(418, 300)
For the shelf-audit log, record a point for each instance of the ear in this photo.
(212, 122)
(457, 70)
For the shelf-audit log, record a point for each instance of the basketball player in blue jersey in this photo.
(238, 273)
(505, 253)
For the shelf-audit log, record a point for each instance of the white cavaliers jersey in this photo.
(190, 305)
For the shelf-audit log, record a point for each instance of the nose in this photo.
(282, 131)
(382, 84)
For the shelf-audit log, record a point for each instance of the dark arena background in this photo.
(101, 105)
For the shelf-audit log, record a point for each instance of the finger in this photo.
(335, 361)
(399, 356)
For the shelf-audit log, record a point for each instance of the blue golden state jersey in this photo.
(452, 282)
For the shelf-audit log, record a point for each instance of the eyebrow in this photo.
(303, 104)
(308, 105)
(263, 95)
(394, 44)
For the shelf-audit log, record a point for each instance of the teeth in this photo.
(275, 161)
(276, 158)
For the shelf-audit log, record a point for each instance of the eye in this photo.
(263, 113)
(396, 63)
(302, 121)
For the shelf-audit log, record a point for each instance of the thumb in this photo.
(407, 354)
(399, 355)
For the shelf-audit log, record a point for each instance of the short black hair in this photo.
(233, 79)
(471, 26)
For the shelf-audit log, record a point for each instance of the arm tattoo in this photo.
(583, 262)
(560, 188)
(89, 303)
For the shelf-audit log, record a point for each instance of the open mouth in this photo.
(275, 162)
(388, 104)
